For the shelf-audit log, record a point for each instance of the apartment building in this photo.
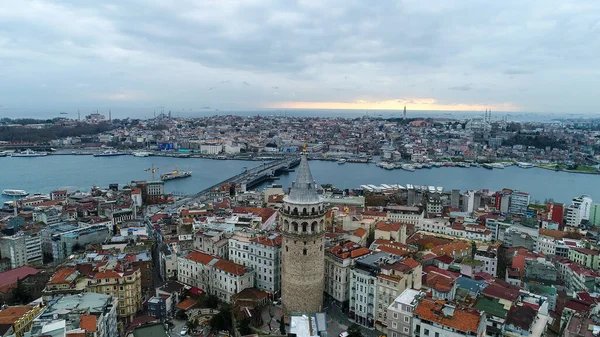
(21, 249)
(120, 282)
(261, 253)
(339, 261)
(400, 313)
(214, 275)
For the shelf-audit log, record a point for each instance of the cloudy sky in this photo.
(538, 56)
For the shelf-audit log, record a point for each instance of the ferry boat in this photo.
(141, 154)
(109, 153)
(15, 193)
(341, 161)
(29, 153)
(525, 165)
(175, 175)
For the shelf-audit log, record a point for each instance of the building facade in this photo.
(302, 221)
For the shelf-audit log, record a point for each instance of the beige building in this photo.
(388, 230)
(339, 260)
(391, 282)
(120, 282)
(302, 221)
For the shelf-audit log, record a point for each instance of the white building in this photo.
(215, 276)
(405, 214)
(22, 249)
(400, 313)
(211, 148)
(519, 202)
(489, 256)
(263, 254)
(578, 210)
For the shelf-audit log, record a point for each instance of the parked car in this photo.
(184, 331)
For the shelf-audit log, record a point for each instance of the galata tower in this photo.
(303, 257)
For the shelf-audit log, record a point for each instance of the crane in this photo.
(153, 169)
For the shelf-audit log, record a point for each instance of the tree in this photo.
(181, 315)
(244, 327)
(20, 295)
(354, 331)
(212, 301)
(282, 325)
(222, 320)
(192, 324)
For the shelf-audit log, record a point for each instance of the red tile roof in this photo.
(11, 314)
(389, 226)
(463, 319)
(496, 291)
(88, 323)
(264, 213)
(200, 257)
(231, 267)
(360, 232)
(187, 304)
(586, 251)
(61, 275)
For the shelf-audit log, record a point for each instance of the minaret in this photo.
(302, 222)
(404, 113)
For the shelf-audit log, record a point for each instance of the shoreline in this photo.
(265, 158)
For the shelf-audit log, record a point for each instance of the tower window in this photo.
(304, 226)
(287, 249)
(304, 251)
(312, 227)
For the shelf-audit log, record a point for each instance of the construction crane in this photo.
(153, 169)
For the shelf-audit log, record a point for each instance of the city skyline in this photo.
(208, 56)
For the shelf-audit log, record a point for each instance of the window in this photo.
(394, 325)
(405, 330)
(405, 319)
(395, 315)
(437, 334)
(304, 251)
(426, 332)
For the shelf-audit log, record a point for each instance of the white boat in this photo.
(141, 154)
(341, 161)
(15, 193)
(525, 165)
(109, 153)
(408, 167)
(3, 153)
(497, 165)
(29, 153)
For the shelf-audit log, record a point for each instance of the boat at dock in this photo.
(525, 165)
(14, 193)
(175, 175)
(487, 166)
(141, 154)
(109, 153)
(29, 153)
(341, 161)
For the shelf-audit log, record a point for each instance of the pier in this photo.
(250, 178)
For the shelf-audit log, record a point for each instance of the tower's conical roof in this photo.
(303, 189)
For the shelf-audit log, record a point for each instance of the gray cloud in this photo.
(90, 54)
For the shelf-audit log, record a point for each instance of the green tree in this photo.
(244, 327)
(212, 301)
(192, 324)
(222, 320)
(354, 331)
(20, 295)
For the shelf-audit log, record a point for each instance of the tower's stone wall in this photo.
(303, 261)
